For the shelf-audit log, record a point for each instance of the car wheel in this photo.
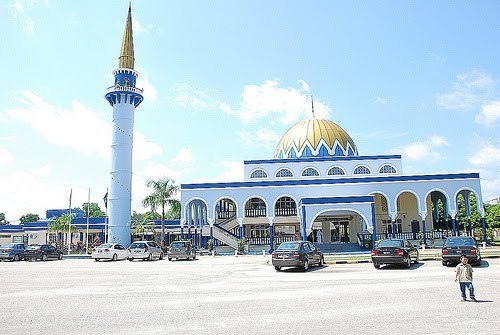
(44, 257)
(306, 265)
(277, 268)
(96, 259)
(444, 263)
(60, 257)
(408, 262)
(150, 257)
(131, 259)
(161, 256)
(417, 260)
(16, 258)
(170, 259)
(115, 257)
(188, 258)
(376, 266)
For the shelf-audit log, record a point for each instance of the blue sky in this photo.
(224, 80)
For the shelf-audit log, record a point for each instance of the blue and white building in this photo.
(318, 187)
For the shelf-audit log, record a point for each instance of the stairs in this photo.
(223, 235)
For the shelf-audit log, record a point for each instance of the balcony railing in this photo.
(255, 213)
(266, 240)
(285, 211)
(125, 89)
(222, 215)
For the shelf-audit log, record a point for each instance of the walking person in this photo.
(463, 274)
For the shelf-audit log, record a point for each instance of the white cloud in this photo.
(261, 136)
(183, 156)
(150, 92)
(77, 128)
(195, 99)
(470, 89)
(383, 101)
(269, 100)
(230, 171)
(137, 27)
(6, 157)
(21, 10)
(487, 155)
(490, 114)
(423, 150)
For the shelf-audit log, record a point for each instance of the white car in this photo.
(113, 251)
(146, 250)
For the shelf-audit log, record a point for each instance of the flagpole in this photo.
(106, 219)
(69, 224)
(87, 234)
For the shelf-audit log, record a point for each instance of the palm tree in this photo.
(61, 224)
(163, 192)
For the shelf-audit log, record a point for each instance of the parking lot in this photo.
(241, 295)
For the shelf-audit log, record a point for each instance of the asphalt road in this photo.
(243, 295)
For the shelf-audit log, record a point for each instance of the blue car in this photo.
(12, 251)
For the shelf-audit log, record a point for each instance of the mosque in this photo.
(317, 187)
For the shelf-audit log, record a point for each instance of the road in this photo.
(242, 295)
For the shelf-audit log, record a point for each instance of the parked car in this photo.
(12, 251)
(113, 251)
(300, 254)
(146, 250)
(456, 246)
(181, 249)
(394, 251)
(43, 252)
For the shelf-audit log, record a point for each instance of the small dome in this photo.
(315, 137)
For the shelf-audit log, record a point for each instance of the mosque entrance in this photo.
(331, 230)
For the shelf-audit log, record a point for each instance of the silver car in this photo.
(147, 250)
(181, 249)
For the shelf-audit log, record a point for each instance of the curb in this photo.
(359, 261)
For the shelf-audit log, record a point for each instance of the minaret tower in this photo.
(124, 97)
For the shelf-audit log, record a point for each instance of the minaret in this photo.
(124, 97)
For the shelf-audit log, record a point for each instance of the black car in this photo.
(43, 252)
(457, 246)
(297, 254)
(394, 251)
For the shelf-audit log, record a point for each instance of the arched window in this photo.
(258, 174)
(387, 169)
(285, 206)
(310, 172)
(362, 170)
(126, 81)
(336, 171)
(284, 173)
(255, 207)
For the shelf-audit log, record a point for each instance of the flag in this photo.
(105, 199)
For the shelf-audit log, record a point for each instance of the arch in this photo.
(285, 211)
(310, 172)
(387, 168)
(256, 211)
(191, 200)
(448, 202)
(223, 198)
(361, 169)
(336, 170)
(284, 173)
(467, 189)
(386, 199)
(365, 221)
(190, 211)
(407, 191)
(258, 174)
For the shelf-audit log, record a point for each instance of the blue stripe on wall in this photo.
(320, 159)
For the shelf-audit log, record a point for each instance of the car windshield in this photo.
(459, 241)
(8, 245)
(34, 247)
(391, 243)
(177, 245)
(138, 246)
(105, 245)
(289, 246)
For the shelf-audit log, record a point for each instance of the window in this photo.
(336, 171)
(387, 169)
(310, 172)
(283, 173)
(255, 207)
(126, 81)
(258, 174)
(362, 170)
(384, 204)
(259, 231)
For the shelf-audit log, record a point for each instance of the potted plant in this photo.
(242, 245)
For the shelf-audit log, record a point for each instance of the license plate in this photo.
(386, 252)
(99, 251)
(137, 251)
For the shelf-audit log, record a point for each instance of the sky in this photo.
(224, 80)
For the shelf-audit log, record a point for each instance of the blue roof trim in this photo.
(320, 159)
(331, 181)
(336, 200)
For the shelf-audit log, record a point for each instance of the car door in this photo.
(121, 252)
(51, 252)
(412, 250)
(308, 252)
(314, 253)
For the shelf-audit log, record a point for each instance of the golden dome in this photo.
(315, 137)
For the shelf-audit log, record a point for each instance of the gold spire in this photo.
(126, 59)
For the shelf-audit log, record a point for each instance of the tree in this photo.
(492, 215)
(29, 218)
(61, 224)
(141, 224)
(162, 196)
(174, 212)
(94, 210)
(3, 221)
